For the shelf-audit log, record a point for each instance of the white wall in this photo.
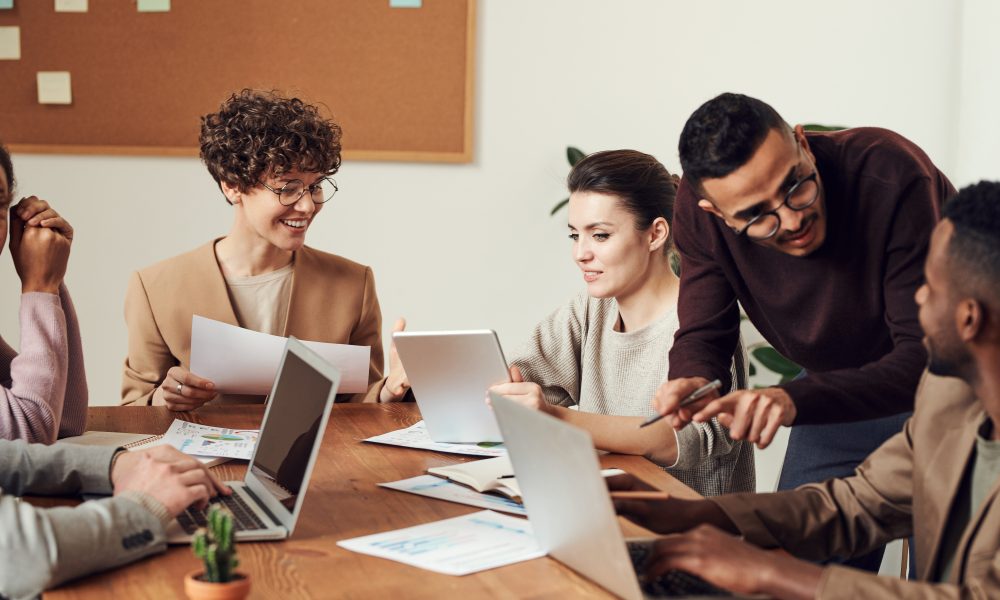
(472, 245)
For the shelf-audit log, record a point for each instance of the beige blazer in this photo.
(332, 300)
(906, 487)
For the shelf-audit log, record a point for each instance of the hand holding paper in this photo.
(241, 361)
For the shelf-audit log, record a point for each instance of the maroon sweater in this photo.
(846, 312)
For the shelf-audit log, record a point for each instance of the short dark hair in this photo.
(8, 168)
(722, 135)
(645, 187)
(258, 133)
(974, 249)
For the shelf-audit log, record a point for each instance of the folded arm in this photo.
(31, 398)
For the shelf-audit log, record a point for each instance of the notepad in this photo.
(493, 475)
(209, 445)
(449, 491)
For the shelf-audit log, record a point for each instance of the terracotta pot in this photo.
(196, 589)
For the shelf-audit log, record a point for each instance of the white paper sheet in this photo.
(415, 436)
(442, 489)
(458, 546)
(205, 440)
(242, 361)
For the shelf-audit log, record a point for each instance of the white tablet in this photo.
(450, 373)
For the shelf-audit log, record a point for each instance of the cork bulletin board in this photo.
(398, 80)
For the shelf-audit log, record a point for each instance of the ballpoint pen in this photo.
(691, 398)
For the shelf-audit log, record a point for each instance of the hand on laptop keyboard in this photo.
(670, 584)
(165, 474)
(244, 519)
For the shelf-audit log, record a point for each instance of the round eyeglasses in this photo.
(800, 196)
(292, 191)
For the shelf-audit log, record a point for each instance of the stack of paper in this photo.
(415, 436)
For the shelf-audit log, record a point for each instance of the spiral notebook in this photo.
(209, 445)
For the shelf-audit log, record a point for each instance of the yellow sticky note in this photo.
(54, 87)
(76, 6)
(153, 5)
(10, 43)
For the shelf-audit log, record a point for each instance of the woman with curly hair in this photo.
(273, 159)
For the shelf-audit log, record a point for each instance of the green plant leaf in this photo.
(753, 370)
(773, 361)
(818, 127)
(559, 206)
(574, 155)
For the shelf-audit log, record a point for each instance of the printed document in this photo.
(458, 546)
(415, 436)
(242, 361)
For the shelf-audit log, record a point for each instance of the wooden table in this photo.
(343, 501)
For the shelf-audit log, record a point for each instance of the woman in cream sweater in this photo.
(597, 361)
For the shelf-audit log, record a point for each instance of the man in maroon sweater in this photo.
(821, 237)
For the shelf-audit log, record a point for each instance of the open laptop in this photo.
(267, 503)
(450, 372)
(570, 509)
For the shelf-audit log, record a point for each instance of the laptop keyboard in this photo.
(244, 519)
(672, 583)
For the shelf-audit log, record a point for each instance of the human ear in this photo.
(969, 319)
(799, 135)
(231, 192)
(708, 207)
(659, 231)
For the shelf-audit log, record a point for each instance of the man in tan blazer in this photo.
(937, 480)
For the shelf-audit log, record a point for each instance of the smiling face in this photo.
(937, 299)
(762, 184)
(260, 215)
(615, 257)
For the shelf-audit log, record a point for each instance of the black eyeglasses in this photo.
(800, 196)
(291, 192)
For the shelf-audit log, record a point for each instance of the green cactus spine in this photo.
(215, 546)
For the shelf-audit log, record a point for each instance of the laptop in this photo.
(267, 503)
(450, 373)
(570, 509)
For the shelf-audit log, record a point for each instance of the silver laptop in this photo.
(267, 503)
(570, 509)
(450, 373)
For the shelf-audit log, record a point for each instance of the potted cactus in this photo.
(216, 548)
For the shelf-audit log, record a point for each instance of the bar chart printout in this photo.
(457, 546)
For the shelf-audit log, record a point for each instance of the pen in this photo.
(695, 395)
(505, 477)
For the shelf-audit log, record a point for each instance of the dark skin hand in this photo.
(729, 562)
(702, 542)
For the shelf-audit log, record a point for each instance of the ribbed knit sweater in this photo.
(578, 358)
(43, 389)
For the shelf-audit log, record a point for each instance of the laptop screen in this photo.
(288, 435)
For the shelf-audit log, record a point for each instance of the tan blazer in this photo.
(332, 300)
(905, 487)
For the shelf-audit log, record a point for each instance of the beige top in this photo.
(578, 358)
(261, 301)
(332, 299)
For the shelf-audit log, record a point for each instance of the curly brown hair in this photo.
(257, 134)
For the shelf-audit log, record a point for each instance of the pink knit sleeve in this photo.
(74, 411)
(31, 402)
